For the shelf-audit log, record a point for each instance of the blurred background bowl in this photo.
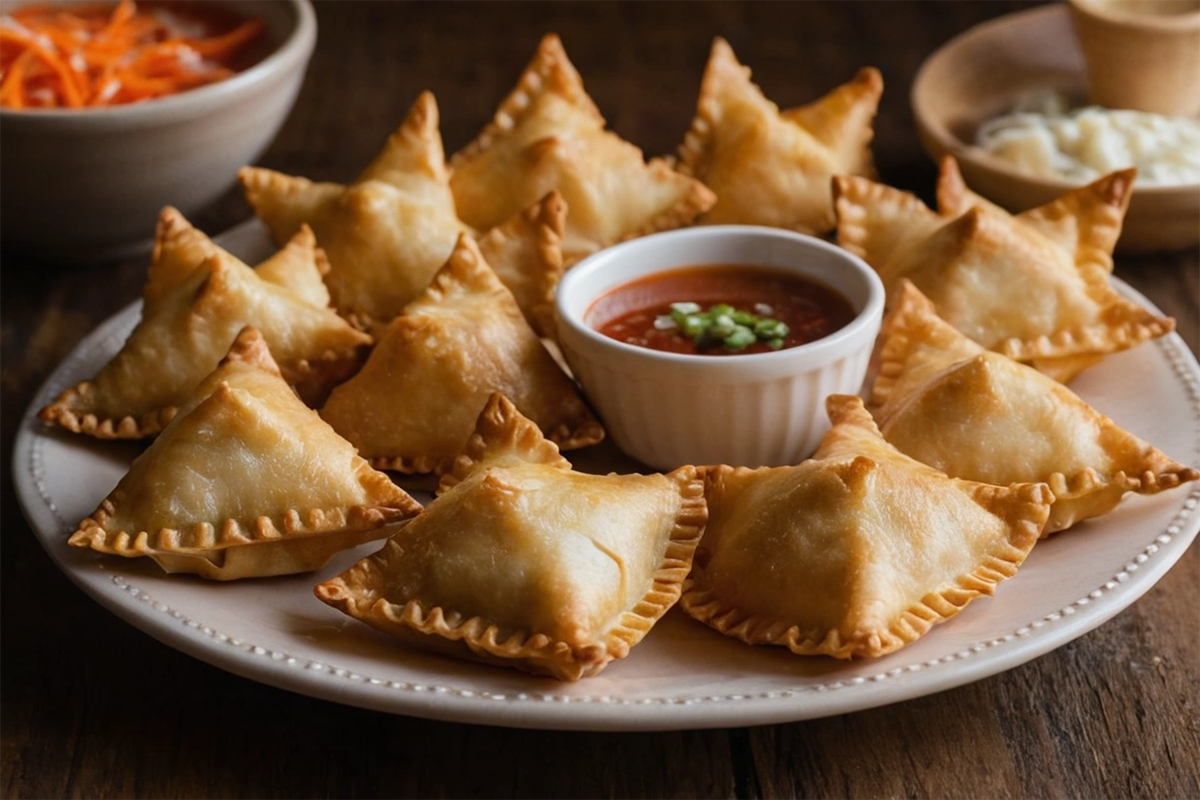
(83, 186)
(982, 73)
(1141, 54)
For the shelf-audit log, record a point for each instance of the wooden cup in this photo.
(1141, 54)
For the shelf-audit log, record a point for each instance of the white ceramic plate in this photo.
(683, 675)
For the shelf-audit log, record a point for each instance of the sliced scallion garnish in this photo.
(723, 325)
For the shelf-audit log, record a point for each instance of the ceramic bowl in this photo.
(1141, 54)
(981, 73)
(85, 186)
(762, 409)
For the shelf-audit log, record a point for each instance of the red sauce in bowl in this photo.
(810, 309)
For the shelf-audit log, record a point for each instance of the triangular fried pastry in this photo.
(245, 482)
(1009, 283)
(415, 401)
(1085, 223)
(385, 234)
(857, 551)
(182, 336)
(548, 134)
(769, 167)
(180, 248)
(300, 266)
(526, 254)
(977, 415)
(915, 345)
(522, 562)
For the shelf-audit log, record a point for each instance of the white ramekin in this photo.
(763, 409)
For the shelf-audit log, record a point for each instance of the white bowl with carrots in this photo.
(107, 116)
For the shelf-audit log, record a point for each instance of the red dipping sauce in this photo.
(810, 309)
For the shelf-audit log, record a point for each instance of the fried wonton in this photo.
(526, 254)
(179, 248)
(769, 167)
(1084, 223)
(415, 401)
(246, 481)
(548, 134)
(387, 233)
(856, 552)
(1034, 287)
(977, 415)
(522, 562)
(190, 317)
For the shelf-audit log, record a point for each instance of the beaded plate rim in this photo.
(120, 594)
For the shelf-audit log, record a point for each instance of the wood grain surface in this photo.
(92, 707)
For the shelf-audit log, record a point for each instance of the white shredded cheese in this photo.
(1042, 136)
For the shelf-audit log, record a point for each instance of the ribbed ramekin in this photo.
(763, 409)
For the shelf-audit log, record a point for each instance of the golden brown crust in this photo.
(92, 532)
(912, 325)
(1085, 224)
(501, 434)
(299, 266)
(243, 407)
(722, 69)
(503, 445)
(179, 248)
(858, 203)
(547, 134)
(385, 234)
(415, 401)
(550, 70)
(695, 199)
(68, 411)
(1034, 287)
(480, 639)
(769, 167)
(188, 326)
(856, 597)
(414, 147)
(977, 415)
(842, 120)
(526, 253)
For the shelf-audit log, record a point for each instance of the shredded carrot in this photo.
(102, 54)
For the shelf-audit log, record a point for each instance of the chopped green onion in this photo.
(723, 325)
(741, 338)
(694, 326)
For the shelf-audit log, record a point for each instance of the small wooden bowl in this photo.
(981, 73)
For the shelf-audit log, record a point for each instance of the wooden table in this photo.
(94, 708)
